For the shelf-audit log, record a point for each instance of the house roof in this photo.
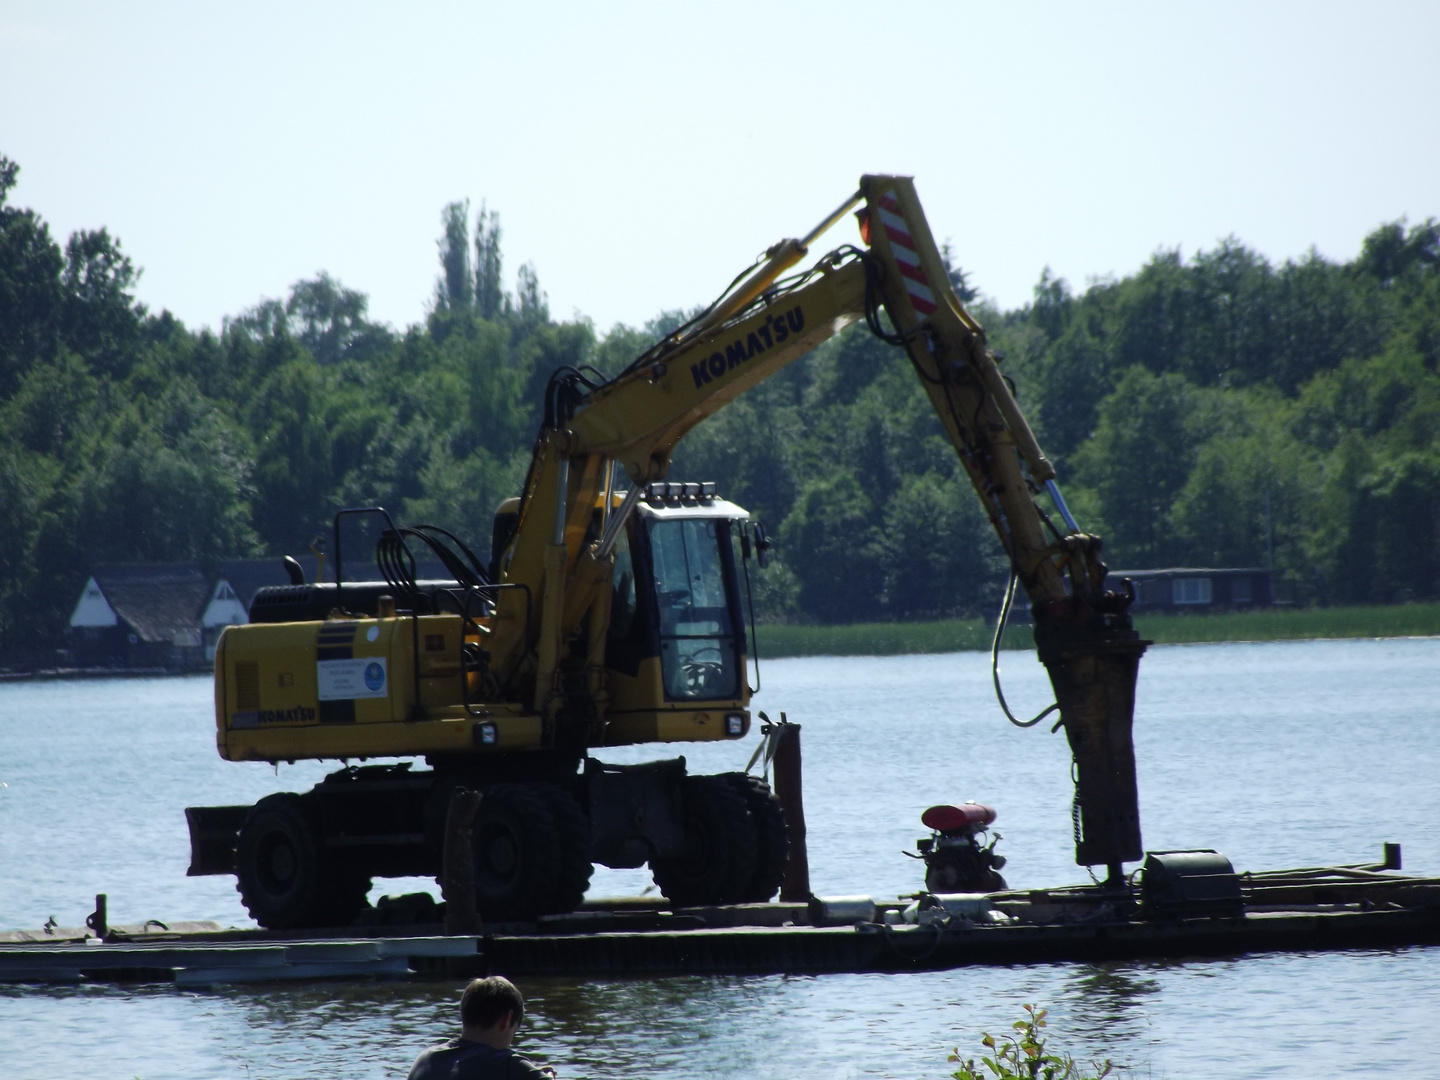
(155, 599)
(92, 609)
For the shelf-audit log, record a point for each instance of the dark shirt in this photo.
(460, 1059)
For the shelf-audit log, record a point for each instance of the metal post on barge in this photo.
(795, 888)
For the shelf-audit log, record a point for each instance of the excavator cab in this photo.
(676, 598)
(677, 622)
(697, 633)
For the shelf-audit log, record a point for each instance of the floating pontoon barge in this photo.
(1194, 915)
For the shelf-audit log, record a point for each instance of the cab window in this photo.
(697, 633)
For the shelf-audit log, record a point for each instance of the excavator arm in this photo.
(1083, 632)
(561, 549)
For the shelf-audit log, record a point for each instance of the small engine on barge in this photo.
(955, 859)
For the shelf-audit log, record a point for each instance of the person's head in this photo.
(486, 1003)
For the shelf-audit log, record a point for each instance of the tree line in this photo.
(1215, 410)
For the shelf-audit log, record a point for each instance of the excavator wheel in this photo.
(719, 865)
(282, 873)
(518, 854)
(772, 842)
(575, 865)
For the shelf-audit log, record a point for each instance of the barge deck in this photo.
(1333, 908)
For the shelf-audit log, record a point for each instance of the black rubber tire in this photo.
(720, 862)
(575, 865)
(280, 866)
(517, 854)
(772, 842)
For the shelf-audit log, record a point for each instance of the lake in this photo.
(1279, 755)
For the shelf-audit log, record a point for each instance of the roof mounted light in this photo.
(675, 493)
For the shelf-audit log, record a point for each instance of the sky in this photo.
(640, 154)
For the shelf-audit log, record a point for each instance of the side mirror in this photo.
(762, 546)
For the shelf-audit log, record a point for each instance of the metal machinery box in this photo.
(1190, 885)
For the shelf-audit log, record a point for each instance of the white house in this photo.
(236, 583)
(139, 615)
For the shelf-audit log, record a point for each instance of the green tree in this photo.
(101, 320)
(1073, 378)
(942, 557)
(490, 297)
(171, 482)
(1392, 252)
(462, 493)
(1147, 320)
(1252, 497)
(330, 320)
(1146, 443)
(1404, 493)
(832, 545)
(959, 279)
(291, 422)
(55, 406)
(31, 296)
(455, 288)
(27, 481)
(1229, 341)
(1320, 316)
(1053, 304)
(530, 301)
(1343, 551)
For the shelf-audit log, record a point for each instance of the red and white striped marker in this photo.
(903, 247)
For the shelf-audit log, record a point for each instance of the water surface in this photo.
(1280, 755)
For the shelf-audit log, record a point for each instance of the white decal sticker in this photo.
(373, 634)
(346, 680)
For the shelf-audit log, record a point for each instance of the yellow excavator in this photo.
(610, 612)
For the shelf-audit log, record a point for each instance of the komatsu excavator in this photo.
(610, 613)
